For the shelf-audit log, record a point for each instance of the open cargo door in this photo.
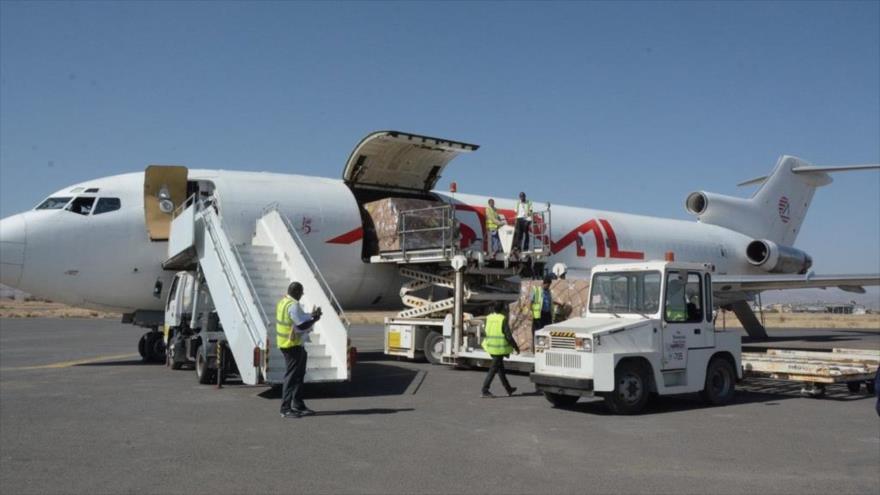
(164, 190)
(399, 161)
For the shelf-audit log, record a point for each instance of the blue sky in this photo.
(619, 106)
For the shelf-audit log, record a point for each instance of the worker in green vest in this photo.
(499, 344)
(292, 324)
(523, 223)
(542, 306)
(493, 221)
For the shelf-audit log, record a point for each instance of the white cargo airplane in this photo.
(101, 243)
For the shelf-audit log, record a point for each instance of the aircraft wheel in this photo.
(720, 382)
(434, 347)
(631, 391)
(560, 400)
(142, 346)
(854, 387)
(155, 347)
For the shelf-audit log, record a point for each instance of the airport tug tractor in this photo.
(648, 329)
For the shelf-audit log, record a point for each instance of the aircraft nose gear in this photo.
(152, 347)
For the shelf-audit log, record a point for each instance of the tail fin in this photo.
(777, 209)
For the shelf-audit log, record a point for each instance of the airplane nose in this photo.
(13, 240)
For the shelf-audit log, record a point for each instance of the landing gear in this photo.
(151, 347)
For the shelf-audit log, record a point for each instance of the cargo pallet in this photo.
(815, 369)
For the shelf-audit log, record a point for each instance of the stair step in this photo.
(255, 249)
(267, 276)
(313, 363)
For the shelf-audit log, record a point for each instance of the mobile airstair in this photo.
(245, 282)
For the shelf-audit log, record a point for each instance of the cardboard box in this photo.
(384, 217)
(573, 294)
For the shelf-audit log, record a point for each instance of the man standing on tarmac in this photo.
(499, 344)
(523, 223)
(493, 220)
(292, 324)
(542, 306)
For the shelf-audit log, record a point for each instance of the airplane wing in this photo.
(723, 284)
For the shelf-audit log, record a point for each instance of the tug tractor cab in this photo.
(649, 328)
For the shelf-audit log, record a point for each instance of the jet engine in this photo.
(724, 211)
(774, 258)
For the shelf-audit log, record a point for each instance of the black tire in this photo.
(720, 386)
(156, 347)
(560, 400)
(174, 340)
(433, 347)
(204, 374)
(854, 387)
(631, 389)
(142, 347)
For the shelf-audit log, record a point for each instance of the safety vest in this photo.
(492, 220)
(528, 210)
(496, 343)
(285, 337)
(538, 301)
(676, 315)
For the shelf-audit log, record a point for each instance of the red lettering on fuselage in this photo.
(599, 227)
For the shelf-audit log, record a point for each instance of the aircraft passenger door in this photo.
(684, 325)
(164, 190)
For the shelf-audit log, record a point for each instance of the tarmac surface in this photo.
(80, 413)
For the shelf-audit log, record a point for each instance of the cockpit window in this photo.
(81, 205)
(55, 203)
(106, 205)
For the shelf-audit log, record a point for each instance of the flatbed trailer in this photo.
(815, 369)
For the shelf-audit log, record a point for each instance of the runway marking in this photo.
(68, 364)
(416, 383)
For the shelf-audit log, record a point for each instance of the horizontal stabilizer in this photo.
(811, 169)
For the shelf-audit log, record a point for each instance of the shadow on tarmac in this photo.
(360, 412)
(751, 391)
(368, 380)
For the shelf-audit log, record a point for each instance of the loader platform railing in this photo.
(409, 229)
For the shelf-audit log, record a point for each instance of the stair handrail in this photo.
(275, 206)
(250, 285)
(209, 216)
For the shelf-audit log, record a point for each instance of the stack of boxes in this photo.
(382, 225)
(573, 294)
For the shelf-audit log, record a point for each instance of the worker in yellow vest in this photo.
(493, 221)
(499, 344)
(292, 324)
(542, 306)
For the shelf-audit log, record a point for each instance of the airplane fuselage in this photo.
(109, 262)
